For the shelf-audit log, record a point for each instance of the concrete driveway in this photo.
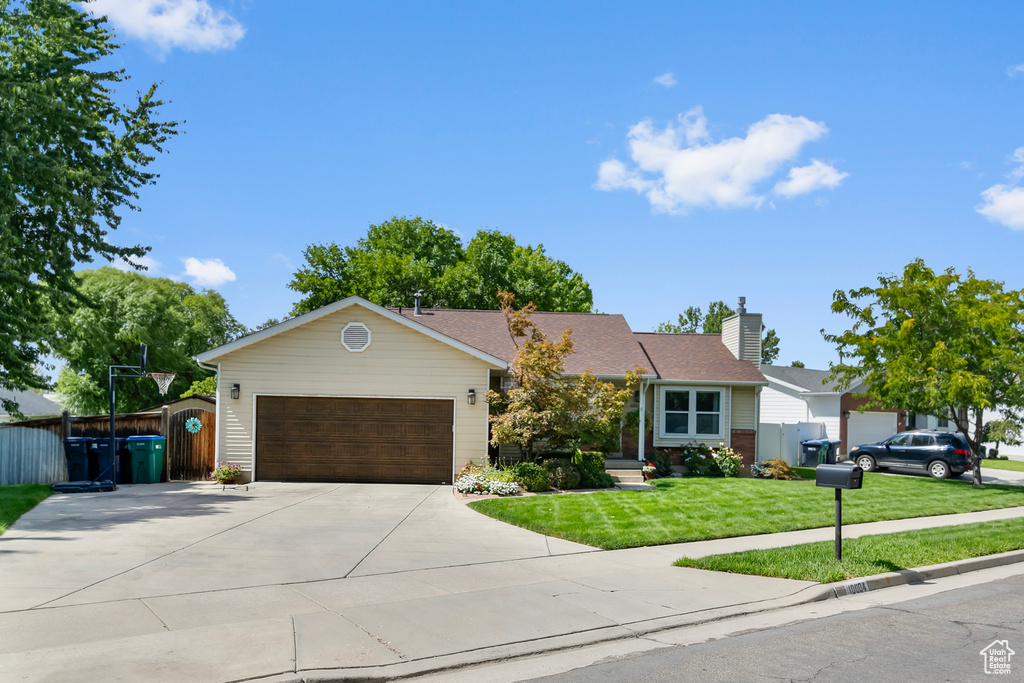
(170, 539)
(290, 582)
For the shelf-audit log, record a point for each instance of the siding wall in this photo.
(310, 360)
(825, 409)
(743, 408)
(741, 334)
(781, 407)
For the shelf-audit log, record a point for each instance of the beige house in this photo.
(357, 392)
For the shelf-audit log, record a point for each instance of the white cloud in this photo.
(190, 24)
(151, 264)
(1004, 204)
(666, 79)
(806, 179)
(1015, 71)
(680, 167)
(208, 272)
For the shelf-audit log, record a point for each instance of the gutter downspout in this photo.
(643, 420)
(757, 420)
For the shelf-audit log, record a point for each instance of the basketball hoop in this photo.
(163, 380)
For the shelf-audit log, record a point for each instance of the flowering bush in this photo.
(700, 461)
(649, 468)
(226, 473)
(483, 483)
(729, 462)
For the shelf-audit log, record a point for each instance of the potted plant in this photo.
(226, 473)
(648, 469)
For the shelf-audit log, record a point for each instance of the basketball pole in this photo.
(132, 371)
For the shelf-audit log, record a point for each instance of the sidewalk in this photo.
(405, 623)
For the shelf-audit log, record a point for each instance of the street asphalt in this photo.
(289, 582)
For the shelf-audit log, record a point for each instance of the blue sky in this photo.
(673, 153)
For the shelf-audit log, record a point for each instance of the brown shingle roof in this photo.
(603, 343)
(695, 357)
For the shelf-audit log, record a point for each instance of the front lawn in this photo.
(18, 499)
(870, 555)
(698, 509)
(1014, 465)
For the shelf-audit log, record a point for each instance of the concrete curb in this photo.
(816, 593)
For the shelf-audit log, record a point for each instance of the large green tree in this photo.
(936, 343)
(693, 319)
(71, 161)
(122, 310)
(404, 255)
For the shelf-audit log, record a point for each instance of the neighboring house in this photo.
(207, 403)
(357, 392)
(801, 403)
(30, 403)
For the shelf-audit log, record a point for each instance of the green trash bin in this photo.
(147, 458)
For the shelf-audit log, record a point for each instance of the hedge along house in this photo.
(357, 392)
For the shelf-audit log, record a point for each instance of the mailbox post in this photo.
(839, 477)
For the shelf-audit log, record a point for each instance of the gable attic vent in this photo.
(355, 337)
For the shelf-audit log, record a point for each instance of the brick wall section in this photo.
(744, 442)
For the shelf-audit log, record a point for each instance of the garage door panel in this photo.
(354, 439)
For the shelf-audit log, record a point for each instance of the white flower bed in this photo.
(479, 483)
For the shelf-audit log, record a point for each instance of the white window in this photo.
(691, 412)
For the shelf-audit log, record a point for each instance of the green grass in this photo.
(870, 555)
(17, 500)
(1014, 465)
(697, 509)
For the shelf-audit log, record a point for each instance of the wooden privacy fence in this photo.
(190, 451)
(32, 451)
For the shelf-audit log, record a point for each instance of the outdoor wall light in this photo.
(235, 390)
(471, 397)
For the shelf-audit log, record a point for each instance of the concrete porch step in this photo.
(630, 476)
(622, 464)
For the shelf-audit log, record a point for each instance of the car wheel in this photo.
(938, 469)
(866, 463)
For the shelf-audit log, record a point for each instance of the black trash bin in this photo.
(104, 468)
(76, 452)
(819, 452)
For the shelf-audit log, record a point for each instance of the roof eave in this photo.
(231, 347)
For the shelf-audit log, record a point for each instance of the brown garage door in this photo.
(406, 441)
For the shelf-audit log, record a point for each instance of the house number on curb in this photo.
(856, 587)
(193, 425)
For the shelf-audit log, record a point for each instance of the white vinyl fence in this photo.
(31, 456)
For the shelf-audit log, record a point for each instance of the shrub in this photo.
(591, 462)
(776, 468)
(531, 476)
(663, 464)
(601, 480)
(729, 462)
(564, 475)
(700, 461)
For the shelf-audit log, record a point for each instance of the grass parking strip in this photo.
(1014, 465)
(17, 499)
(869, 555)
(698, 509)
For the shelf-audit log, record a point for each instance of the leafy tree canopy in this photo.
(935, 343)
(693, 320)
(404, 255)
(545, 409)
(72, 160)
(121, 311)
(797, 364)
(202, 387)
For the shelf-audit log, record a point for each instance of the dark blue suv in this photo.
(941, 454)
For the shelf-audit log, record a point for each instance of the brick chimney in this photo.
(741, 334)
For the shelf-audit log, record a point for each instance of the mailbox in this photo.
(839, 476)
